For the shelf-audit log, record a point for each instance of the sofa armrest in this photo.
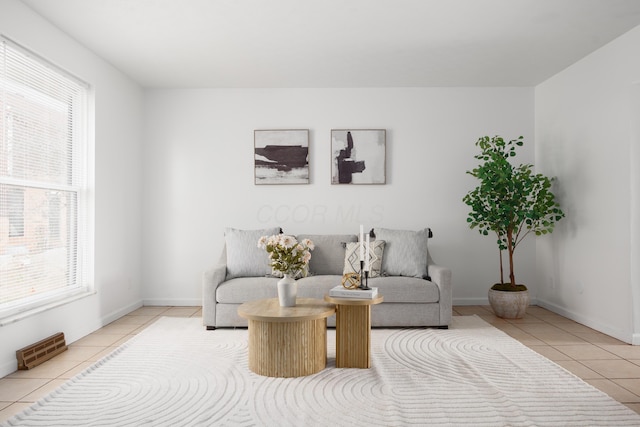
(441, 276)
(211, 279)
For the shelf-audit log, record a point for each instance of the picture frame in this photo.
(281, 156)
(358, 156)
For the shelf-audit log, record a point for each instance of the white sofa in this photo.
(417, 292)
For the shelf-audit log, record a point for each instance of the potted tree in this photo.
(510, 202)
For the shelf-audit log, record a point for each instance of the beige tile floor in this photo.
(604, 362)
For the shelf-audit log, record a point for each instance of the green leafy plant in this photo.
(510, 201)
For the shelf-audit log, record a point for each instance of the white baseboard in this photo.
(470, 301)
(8, 367)
(115, 315)
(630, 338)
(481, 301)
(175, 302)
(627, 337)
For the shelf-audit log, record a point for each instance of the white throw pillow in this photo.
(352, 257)
(244, 257)
(405, 252)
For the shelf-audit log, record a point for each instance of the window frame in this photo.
(80, 253)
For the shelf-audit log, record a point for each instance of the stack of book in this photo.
(342, 292)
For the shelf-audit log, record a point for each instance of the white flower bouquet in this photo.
(287, 255)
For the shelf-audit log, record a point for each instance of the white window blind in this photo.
(43, 181)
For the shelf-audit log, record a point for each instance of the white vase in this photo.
(287, 291)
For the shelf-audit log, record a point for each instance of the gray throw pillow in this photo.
(244, 257)
(328, 256)
(405, 252)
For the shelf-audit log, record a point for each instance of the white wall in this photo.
(584, 136)
(198, 175)
(117, 188)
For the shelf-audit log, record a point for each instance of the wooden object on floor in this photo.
(353, 331)
(287, 341)
(37, 353)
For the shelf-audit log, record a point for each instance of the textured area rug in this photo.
(175, 373)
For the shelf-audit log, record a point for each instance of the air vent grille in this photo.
(37, 353)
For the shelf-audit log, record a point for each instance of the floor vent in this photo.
(35, 354)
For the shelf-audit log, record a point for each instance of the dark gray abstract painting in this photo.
(358, 156)
(281, 156)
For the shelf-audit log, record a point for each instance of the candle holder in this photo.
(365, 285)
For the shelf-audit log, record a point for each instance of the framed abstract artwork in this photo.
(358, 156)
(281, 156)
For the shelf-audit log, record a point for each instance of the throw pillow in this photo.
(352, 257)
(328, 256)
(405, 252)
(244, 257)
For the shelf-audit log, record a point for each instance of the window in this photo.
(44, 254)
(15, 211)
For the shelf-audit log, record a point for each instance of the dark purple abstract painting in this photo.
(281, 156)
(358, 156)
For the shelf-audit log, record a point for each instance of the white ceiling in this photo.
(341, 43)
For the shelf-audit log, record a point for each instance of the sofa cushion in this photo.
(243, 289)
(352, 257)
(394, 289)
(328, 255)
(244, 257)
(405, 252)
(406, 289)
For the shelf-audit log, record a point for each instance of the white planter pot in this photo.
(287, 291)
(509, 305)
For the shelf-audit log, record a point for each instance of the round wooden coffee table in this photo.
(353, 330)
(287, 341)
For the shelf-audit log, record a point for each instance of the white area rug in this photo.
(175, 373)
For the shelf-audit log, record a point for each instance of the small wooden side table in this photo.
(287, 341)
(353, 331)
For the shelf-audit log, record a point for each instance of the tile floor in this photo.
(608, 364)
